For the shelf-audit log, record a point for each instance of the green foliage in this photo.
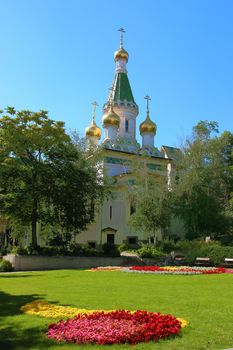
(20, 251)
(6, 266)
(151, 198)
(199, 248)
(123, 247)
(3, 251)
(202, 196)
(167, 246)
(149, 252)
(215, 252)
(44, 176)
(152, 213)
(110, 250)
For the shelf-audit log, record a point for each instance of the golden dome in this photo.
(121, 53)
(111, 118)
(93, 130)
(148, 126)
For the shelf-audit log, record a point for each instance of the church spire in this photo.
(121, 97)
(147, 127)
(121, 86)
(121, 54)
(121, 30)
(93, 132)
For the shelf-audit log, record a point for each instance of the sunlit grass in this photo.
(204, 300)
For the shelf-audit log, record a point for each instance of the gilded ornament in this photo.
(111, 118)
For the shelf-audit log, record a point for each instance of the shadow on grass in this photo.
(17, 276)
(10, 304)
(12, 335)
(13, 338)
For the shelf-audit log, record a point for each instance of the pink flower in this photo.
(116, 327)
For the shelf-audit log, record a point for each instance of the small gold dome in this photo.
(148, 126)
(93, 130)
(121, 53)
(111, 118)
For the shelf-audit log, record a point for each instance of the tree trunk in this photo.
(34, 234)
(34, 224)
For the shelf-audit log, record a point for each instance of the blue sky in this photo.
(58, 55)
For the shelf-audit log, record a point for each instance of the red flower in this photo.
(116, 327)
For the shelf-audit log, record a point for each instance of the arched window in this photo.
(110, 212)
(126, 125)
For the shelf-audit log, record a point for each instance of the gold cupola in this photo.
(93, 130)
(111, 118)
(121, 53)
(148, 126)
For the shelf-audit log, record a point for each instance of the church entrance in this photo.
(110, 238)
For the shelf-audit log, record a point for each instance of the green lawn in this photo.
(205, 301)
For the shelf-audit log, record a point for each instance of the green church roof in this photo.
(172, 152)
(121, 88)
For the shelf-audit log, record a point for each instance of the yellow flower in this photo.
(44, 309)
(184, 323)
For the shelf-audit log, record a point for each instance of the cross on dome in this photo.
(121, 53)
(94, 104)
(147, 98)
(121, 30)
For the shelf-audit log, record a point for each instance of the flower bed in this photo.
(175, 270)
(105, 268)
(44, 309)
(115, 327)
(105, 326)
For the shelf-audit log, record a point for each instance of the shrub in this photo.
(5, 266)
(212, 250)
(123, 247)
(84, 250)
(110, 250)
(19, 251)
(149, 252)
(168, 246)
(3, 251)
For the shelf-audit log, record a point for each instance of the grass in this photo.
(205, 301)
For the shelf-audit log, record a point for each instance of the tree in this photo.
(203, 192)
(44, 176)
(152, 198)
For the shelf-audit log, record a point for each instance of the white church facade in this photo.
(119, 149)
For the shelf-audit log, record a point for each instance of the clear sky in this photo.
(58, 55)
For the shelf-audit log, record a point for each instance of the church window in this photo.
(92, 244)
(110, 238)
(152, 240)
(132, 209)
(92, 211)
(110, 212)
(132, 240)
(126, 126)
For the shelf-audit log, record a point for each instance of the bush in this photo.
(110, 250)
(83, 250)
(149, 252)
(123, 247)
(19, 251)
(5, 266)
(3, 251)
(168, 246)
(212, 250)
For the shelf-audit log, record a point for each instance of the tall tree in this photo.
(202, 195)
(152, 201)
(44, 176)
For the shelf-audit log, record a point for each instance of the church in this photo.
(120, 148)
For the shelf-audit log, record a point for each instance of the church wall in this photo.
(129, 113)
